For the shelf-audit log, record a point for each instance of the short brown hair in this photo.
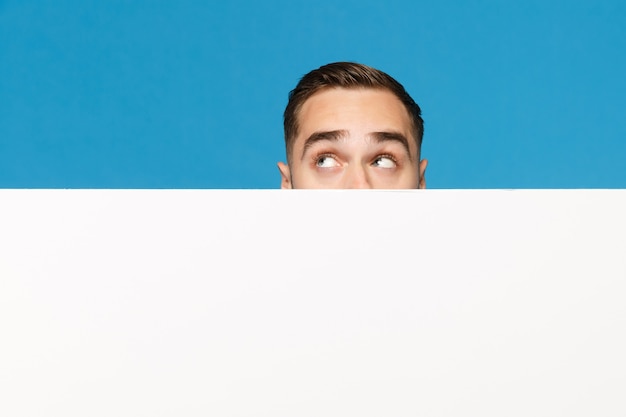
(345, 75)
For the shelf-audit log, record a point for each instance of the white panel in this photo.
(310, 303)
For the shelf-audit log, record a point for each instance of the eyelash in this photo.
(386, 155)
(317, 157)
(396, 161)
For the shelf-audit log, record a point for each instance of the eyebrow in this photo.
(392, 137)
(335, 135)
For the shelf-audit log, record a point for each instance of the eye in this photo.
(385, 161)
(326, 161)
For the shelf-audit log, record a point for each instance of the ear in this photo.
(422, 169)
(285, 176)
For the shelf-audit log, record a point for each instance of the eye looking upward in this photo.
(385, 161)
(326, 161)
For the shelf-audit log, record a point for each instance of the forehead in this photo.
(358, 111)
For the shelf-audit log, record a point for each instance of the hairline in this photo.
(298, 108)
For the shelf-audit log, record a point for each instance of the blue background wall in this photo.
(190, 94)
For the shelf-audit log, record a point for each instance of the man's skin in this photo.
(354, 138)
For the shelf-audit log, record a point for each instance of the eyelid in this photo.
(391, 160)
(318, 155)
(395, 149)
(325, 156)
(387, 155)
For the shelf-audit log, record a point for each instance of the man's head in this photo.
(348, 125)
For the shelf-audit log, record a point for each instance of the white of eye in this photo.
(327, 162)
(384, 162)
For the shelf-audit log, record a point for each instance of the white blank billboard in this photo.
(310, 303)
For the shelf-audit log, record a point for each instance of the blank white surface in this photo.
(308, 303)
